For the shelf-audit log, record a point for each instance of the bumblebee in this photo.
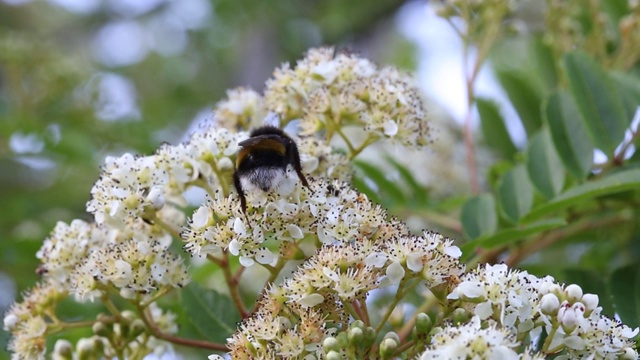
(263, 161)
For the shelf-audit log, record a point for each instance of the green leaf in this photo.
(598, 101)
(611, 184)
(544, 166)
(494, 129)
(212, 314)
(526, 99)
(545, 61)
(363, 186)
(389, 191)
(616, 9)
(515, 194)
(628, 87)
(569, 134)
(418, 191)
(625, 288)
(478, 216)
(591, 282)
(510, 235)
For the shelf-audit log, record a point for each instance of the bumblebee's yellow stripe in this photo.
(261, 145)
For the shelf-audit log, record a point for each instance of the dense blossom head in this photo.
(345, 269)
(327, 210)
(328, 91)
(241, 110)
(68, 245)
(524, 303)
(140, 186)
(473, 341)
(131, 266)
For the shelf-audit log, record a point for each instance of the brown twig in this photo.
(153, 327)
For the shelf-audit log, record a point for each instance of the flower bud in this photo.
(574, 293)
(355, 336)
(461, 316)
(590, 302)
(129, 316)
(330, 344)
(137, 328)
(156, 198)
(423, 324)
(549, 304)
(369, 336)
(101, 329)
(357, 324)
(333, 355)
(629, 354)
(570, 316)
(62, 350)
(225, 164)
(392, 335)
(85, 348)
(388, 347)
(10, 321)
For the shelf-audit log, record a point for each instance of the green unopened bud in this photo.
(333, 355)
(388, 347)
(137, 328)
(128, 316)
(98, 345)
(369, 336)
(460, 316)
(392, 335)
(85, 348)
(330, 344)
(101, 329)
(63, 350)
(355, 336)
(104, 318)
(423, 324)
(357, 324)
(397, 317)
(123, 330)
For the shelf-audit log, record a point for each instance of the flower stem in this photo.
(232, 284)
(155, 331)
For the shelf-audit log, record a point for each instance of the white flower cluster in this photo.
(345, 269)
(320, 160)
(132, 266)
(473, 341)
(86, 260)
(331, 91)
(68, 245)
(241, 110)
(26, 321)
(523, 303)
(132, 187)
(329, 211)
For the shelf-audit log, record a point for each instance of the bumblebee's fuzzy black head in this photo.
(263, 160)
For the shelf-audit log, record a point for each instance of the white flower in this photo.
(395, 273)
(472, 341)
(311, 300)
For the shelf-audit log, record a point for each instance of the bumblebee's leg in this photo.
(238, 185)
(294, 159)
